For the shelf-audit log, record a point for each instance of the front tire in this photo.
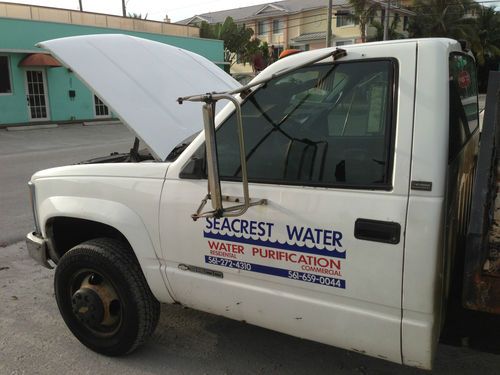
(104, 298)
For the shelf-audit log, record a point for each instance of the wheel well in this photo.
(66, 232)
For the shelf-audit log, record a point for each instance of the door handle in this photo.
(377, 231)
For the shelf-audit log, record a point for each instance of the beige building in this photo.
(75, 17)
(299, 24)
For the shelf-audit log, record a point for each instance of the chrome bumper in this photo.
(37, 248)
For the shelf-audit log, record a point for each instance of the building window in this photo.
(262, 28)
(5, 85)
(101, 109)
(406, 23)
(278, 26)
(343, 42)
(345, 19)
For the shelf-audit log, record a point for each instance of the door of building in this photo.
(36, 95)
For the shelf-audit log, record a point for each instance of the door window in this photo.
(463, 102)
(322, 125)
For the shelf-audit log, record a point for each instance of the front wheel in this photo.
(104, 298)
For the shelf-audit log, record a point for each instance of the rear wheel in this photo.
(104, 298)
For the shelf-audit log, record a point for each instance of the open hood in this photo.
(140, 80)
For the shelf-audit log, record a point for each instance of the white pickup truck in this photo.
(341, 224)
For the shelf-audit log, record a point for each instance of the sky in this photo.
(155, 9)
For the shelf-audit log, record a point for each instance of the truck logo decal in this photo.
(300, 253)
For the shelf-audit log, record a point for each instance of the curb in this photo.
(30, 127)
(110, 122)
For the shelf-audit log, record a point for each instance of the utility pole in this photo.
(81, 7)
(329, 25)
(386, 20)
(124, 9)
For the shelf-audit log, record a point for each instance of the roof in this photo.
(310, 36)
(274, 9)
(262, 10)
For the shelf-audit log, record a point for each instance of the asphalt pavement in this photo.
(22, 153)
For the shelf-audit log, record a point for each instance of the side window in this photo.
(323, 125)
(463, 101)
(5, 85)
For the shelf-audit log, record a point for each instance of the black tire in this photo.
(103, 276)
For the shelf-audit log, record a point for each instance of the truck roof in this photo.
(445, 45)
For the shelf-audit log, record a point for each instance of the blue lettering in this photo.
(269, 227)
(328, 237)
(209, 223)
(225, 224)
(233, 226)
(216, 225)
(253, 227)
(337, 236)
(316, 236)
(244, 226)
(262, 229)
(294, 234)
(308, 235)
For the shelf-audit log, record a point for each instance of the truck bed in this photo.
(481, 282)
(492, 263)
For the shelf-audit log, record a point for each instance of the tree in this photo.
(485, 41)
(363, 10)
(462, 20)
(237, 39)
(393, 27)
(442, 18)
(138, 16)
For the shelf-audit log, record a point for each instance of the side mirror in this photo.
(212, 164)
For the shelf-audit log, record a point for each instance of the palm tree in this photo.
(485, 42)
(393, 27)
(138, 16)
(442, 18)
(364, 10)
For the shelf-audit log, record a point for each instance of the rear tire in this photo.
(104, 298)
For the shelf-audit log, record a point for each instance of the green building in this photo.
(35, 90)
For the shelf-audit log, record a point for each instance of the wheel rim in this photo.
(95, 304)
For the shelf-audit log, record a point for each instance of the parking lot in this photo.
(35, 340)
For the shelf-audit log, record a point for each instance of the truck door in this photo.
(328, 146)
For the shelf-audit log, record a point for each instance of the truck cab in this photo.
(356, 178)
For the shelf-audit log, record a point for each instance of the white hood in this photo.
(140, 80)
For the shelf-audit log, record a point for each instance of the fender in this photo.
(123, 219)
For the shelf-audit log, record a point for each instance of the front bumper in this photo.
(37, 248)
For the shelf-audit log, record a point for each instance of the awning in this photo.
(309, 37)
(39, 59)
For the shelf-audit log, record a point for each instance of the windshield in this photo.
(174, 154)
